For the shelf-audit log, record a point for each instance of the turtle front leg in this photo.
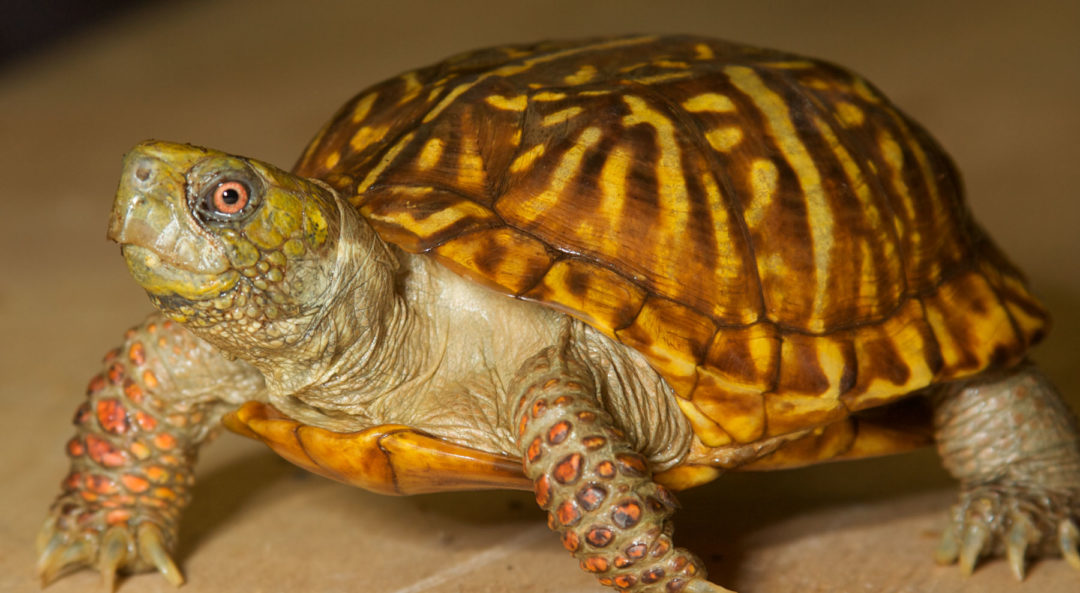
(1013, 444)
(157, 399)
(598, 491)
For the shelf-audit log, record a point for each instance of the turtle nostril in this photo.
(143, 167)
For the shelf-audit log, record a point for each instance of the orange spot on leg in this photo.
(543, 492)
(568, 470)
(97, 383)
(102, 452)
(117, 517)
(157, 474)
(137, 354)
(115, 373)
(558, 433)
(134, 483)
(164, 441)
(145, 421)
(534, 450)
(111, 355)
(75, 447)
(595, 564)
(140, 450)
(112, 416)
(100, 484)
(626, 514)
(571, 541)
(568, 513)
(133, 391)
(82, 414)
(73, 481)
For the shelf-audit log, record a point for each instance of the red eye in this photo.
(230, 197)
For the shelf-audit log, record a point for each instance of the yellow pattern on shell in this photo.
(516, 103)
(666, 77)
(709, 102)
(548, 96)
(412, 87)
(525, 160)
(363, 107)
(782, 130)
(724, 139)
(670, 181)
(560, 116)
(611, 200)
(660, 201)
(583, 75)
(763, 177)
(429, 155)
(368, 135)
(534, 206)
(849, 114)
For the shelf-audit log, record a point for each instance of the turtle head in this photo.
(243, 253)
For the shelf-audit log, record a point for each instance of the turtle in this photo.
(602, 270)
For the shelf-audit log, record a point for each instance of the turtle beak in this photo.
(151, 210)
(166, 249)
(139, 214)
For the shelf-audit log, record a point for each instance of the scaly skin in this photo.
(132, 457)
(1014, 445)
(598, 491)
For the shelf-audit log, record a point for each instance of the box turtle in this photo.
(600, 270)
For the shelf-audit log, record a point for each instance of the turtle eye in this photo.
(229, 197)
(227, 200)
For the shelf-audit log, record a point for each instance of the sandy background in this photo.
(998, 85)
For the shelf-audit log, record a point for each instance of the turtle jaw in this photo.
(161, 279)
(166, 251)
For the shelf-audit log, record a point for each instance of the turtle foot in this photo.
(71, 540)
(1019, 523)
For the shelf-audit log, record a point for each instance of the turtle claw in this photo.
(1069, 542)
(1022, 534)
(152, 548)
(948, 550)
(114, 551)
(975, 538)
(1017, 523)
(70, 541)
(60, 555)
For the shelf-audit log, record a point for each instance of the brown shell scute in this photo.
(779, 240)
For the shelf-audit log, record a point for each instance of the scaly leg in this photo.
(598, 491)
(1013, 444)
(156, 400)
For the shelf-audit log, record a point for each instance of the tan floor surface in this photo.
(999, 86)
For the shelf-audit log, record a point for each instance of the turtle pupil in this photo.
(230, 196)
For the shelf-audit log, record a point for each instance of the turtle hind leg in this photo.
(598, 491)
(1014, 445)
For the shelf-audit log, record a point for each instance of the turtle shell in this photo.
(782, 243)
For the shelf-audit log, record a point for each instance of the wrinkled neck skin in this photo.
(356, 332)
(387, 337)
